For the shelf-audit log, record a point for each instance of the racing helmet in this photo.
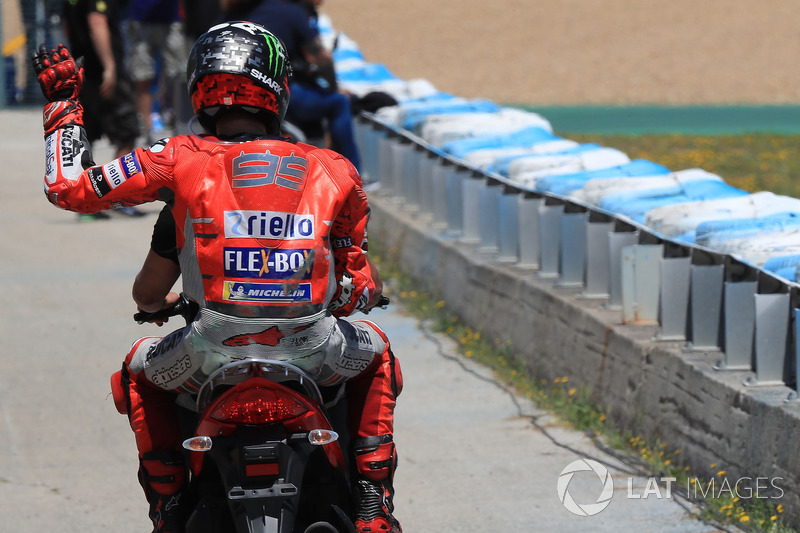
(241, 66)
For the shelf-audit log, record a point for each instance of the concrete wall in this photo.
(647, 387)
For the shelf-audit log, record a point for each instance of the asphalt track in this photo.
(473, 458)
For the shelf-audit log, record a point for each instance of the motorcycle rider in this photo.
(271, 240)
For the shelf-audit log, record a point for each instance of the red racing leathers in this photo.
(272, 245)
(232, 199)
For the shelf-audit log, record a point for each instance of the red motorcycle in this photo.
(263, 454)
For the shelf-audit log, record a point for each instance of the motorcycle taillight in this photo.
(257, 405)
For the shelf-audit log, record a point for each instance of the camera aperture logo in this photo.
(660, 488)
(585, 509)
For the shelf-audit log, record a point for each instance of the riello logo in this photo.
(585, 509)
(268, 225)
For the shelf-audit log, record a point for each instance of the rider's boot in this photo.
(375, 462)
(163, 477)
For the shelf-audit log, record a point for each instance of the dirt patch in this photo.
(545, 52)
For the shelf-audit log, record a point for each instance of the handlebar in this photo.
(188, 309)
(383, 303)
(183, 307)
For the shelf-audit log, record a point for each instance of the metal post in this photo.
(771, 341)
(597, 263)
(370, 154)
(397, 152)
(628, 274)
(439, 173)
(706, 307)
(550, 226)
(472, 210)
(410, 175)
(509, 226)
(489, 217)
(385, 143)
(529, 230)
(616, 242)
(573, 249)
(361, 131)
(455, 178)
(740, 323)
(675, 282)
(427, 161)
(648, 281)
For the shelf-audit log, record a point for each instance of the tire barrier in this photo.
(711, 300)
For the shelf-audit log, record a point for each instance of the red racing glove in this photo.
(60, 78)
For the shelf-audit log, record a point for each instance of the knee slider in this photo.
(376, 457)
(164, 472)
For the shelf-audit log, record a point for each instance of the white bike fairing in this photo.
(330, 350)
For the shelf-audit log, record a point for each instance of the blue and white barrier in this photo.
(589, 217)
(692, 292)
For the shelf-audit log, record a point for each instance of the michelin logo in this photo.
(234, 291)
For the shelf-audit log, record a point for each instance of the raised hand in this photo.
(59, 75)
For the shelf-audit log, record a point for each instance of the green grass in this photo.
(750, 162)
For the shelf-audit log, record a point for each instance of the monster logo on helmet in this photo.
(239, 66)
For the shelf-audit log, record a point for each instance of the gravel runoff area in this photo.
(573, 52)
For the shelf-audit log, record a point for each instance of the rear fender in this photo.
(262, 467)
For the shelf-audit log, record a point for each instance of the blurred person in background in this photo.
(198, 17)
(92, 28)
(157, 45)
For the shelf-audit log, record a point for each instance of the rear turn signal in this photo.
(198, 444)
(257, 405)
(318, 437)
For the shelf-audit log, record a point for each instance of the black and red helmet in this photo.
(239, 65)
